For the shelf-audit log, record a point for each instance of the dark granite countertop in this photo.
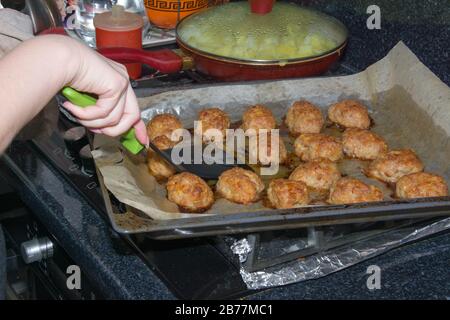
(418, 270)
(424, 26)
(78, 228)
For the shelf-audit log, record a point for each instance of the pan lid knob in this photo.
(261, 6)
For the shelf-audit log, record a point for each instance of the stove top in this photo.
(204, 268)
(192, 269)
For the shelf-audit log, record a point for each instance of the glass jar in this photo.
(87, 9)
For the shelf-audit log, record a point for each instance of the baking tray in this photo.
(403, 115)
(132, 222)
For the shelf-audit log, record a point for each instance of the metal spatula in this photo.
(130, 143)
(209, 170)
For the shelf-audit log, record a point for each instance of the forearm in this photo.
(29, 77)
(34, 72)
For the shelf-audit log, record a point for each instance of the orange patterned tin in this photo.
(166, 14)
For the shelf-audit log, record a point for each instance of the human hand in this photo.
(116, 110)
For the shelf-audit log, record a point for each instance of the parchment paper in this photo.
(409, 104)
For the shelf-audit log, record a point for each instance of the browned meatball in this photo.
(284, 194)
(349, 114)
(350, 190)
(212, 118)
(304, 117)
(240, 186)
(163, 125)
(157, 166)
(268, 155)
(421, 185)
(394, 165)
(318, 174)
(363, 144)
(190, 192)
(258, 117)
(311, 146)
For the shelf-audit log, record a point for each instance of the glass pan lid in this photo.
(288, 32)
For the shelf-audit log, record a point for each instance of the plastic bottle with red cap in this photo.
(119, 28)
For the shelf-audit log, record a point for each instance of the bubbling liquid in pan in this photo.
(288, 32)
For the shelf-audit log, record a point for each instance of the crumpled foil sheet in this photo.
(241, 248)
(322, 264)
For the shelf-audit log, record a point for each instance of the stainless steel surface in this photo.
(36, 250)
(44, 14)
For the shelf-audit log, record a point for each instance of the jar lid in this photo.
(118, 20)
(287, 32)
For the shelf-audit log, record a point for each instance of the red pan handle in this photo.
(54, 30)
(164, 60)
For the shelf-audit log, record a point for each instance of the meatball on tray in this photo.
(373, 146)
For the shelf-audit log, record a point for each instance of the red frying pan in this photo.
(232, 67)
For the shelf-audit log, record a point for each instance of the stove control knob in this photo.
(87, 161)
(36, 250)
(75, 139)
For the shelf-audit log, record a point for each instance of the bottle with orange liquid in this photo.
(119, 28)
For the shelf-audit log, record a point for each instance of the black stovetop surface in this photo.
(119, 270)
(202, 268)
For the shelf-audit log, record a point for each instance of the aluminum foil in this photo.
(322, 264)
(241, 248)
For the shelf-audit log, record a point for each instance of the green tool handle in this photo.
(128, 140)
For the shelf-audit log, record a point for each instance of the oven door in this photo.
(37, 266)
